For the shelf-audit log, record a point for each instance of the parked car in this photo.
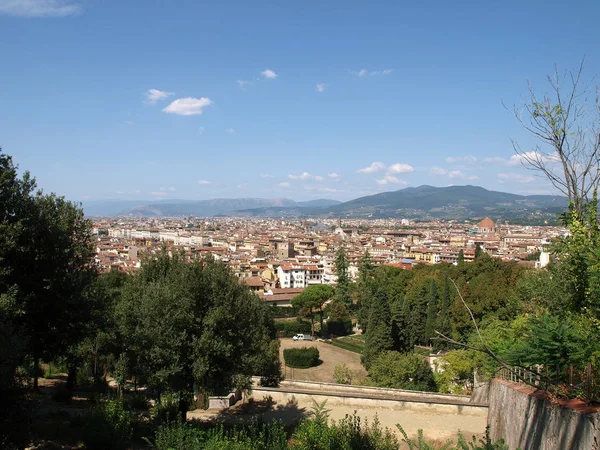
(298, 337)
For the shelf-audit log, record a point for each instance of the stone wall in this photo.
(521, 416)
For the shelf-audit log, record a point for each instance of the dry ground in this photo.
(330, 355)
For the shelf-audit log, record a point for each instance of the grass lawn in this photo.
(354, 343)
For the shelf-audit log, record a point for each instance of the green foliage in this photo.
(311, 299)
(550, 341)
(301, 358)
(379, 332)
(342, 374)
(189, 436)
(484, 444)
(355, 343)
(166, 410)
(288, 328)
(270, 370)
(459, 367)
(401, 371)
(192, 324)
(342, 289)
(108, 426)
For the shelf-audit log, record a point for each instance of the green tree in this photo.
(342, 290)
(432, 311)
(401, 371)
(192, 324)
(478, 251)
(443, 320)
(365, 268)
(379, 333)
(311, 299)
(461, 256)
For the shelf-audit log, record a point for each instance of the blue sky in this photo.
(106, 99)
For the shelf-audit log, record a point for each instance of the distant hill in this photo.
(423, 202)
(200, 208)
(429, 202)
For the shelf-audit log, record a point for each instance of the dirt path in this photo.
(330, 355)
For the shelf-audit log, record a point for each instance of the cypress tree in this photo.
(379, 332)
(432, 310)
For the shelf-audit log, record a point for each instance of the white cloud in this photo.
(370, 73)
(333, 175)
(514, 178)
(305, 176)
(321, 87)
(284, 184)
(268, 73)
(169, 189)
(461, 159)
(389, 179)
(374, 167)
(242, 186)
(159, 194)
(452, 174)
(39, 8)
(242, 83)
(188, 106)
(229, 131)
(266, 175)
(154, 95)
(128, 122)
(400, 168)
(201, 130)
(203, 182)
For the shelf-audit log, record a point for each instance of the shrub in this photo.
(108, 426)
(167, 410)
(401, 371)
(301, 358)
(343, 375)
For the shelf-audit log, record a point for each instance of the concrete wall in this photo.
(520, 415)
(361, 396)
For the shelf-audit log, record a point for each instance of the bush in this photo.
(188, 436)
(301, 358)
(167, 410)
(401, 371)
(288, 328)
(283, 311)
(108, 426)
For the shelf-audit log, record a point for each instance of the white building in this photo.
(291, 276)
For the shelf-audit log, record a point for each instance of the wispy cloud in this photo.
(322, 189)
(242, 186)
(390, 179)
(167, 189)
(159, 194)
(305, 176)
(188, 106)
(452, 174)
(461, 159)
(268, 73)
(242, 83)
(39, 8)
(371, 73)
(154, 95)
(229, 131)
(284, 184)
(266, 175)
(514, 178)
(376, 166)
(520, 159)
(201, 130)
(321, 87)
(333, 175)
(203, 182)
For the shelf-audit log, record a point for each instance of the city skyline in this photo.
(339, 101)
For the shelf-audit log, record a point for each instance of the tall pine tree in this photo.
(379, 332)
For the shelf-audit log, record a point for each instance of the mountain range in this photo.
(423, 202)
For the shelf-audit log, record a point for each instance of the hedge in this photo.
(301, 358)
(283, 311)
(288, 328)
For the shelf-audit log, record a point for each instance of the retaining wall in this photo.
(521, 416)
